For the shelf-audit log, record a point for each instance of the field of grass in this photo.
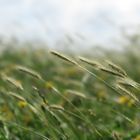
(56, 96)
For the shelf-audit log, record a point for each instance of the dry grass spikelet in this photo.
(63, 57)
(18, 97)
(76, 93)
(28, 71)
(13, 81)
(90, 62)
(116, 68)
(111, 72)
(56, 107)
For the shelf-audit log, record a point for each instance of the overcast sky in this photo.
(97, 20)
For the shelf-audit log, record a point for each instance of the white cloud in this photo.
(59, 16)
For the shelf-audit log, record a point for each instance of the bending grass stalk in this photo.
(60, 108)
(58, 121)
(100, 79)
(54, 107)
(123, 116)
(36, 110)
(57, 108)
(116, 71)
(129, 83)
(128, 93)
(73, 114)
(38, 113)
(49, 109)
(85, 119)
(83, 68)
(71, 125)
(27, 129)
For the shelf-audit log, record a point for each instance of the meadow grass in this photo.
(44, 97)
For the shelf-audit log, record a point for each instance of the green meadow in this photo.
(54, 95)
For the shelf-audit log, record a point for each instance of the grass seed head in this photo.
(63, 57)
(76, 93)
(18, 97)
(29, 72)
(56, 107)
(117, 68)
(111, 72)
(90, 62)
(14, 82)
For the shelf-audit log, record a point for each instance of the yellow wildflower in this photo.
(22, 104)
(123, 99)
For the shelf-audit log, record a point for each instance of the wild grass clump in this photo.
(42, 97)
